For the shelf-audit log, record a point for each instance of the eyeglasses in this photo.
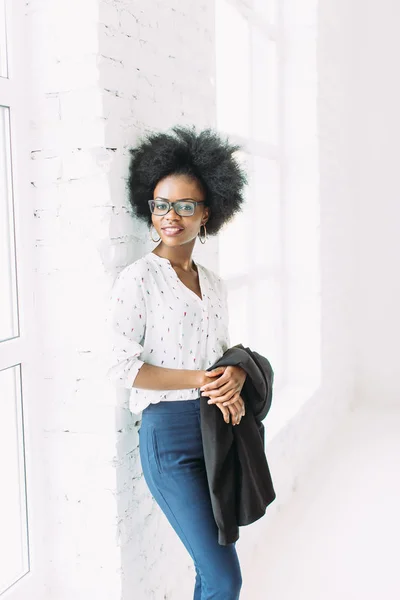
(183, 208)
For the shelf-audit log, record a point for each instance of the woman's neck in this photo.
(179, 256)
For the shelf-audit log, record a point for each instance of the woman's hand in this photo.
(225, 391)
(227, 387)
(237, 410)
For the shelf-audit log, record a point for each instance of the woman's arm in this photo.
(160, 378)
(151, 377)
(126, 318)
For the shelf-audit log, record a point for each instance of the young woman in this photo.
(170, 323)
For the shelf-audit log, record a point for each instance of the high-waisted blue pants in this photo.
(171, 453)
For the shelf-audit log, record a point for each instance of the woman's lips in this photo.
(170, 231)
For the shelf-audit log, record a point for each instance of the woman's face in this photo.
(176, 230)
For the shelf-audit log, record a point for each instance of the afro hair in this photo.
(205, 156)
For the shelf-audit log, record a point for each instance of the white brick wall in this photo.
(102, 72)
(71, 205)
(163, 78)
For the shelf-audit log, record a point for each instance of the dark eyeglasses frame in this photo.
(171, 205)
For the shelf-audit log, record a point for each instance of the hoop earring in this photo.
(151, 235)
(204, 239)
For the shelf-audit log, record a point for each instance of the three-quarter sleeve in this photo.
(127, 321)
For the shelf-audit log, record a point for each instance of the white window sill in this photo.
(287, 402)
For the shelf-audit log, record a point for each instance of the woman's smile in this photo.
(172, 230)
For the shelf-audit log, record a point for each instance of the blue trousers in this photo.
(171, 452)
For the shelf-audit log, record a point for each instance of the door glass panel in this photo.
(3, 40)
(9, 327)
(14, 559)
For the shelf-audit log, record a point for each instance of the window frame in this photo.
(273, 32)
(24, 350)
(298, 384)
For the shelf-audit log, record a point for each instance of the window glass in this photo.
(267, 8)
(232, 49)
(267, 334)
(13, 519)
(264, 97)
(238, 307)
(8, 296)
(251, 245)
(266, 203)
(3, 41)
(234, 250)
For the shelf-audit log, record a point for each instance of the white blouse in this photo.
(155, 318)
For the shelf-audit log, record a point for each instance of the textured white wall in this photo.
(102, 72)
(158, 63)
(70, 200)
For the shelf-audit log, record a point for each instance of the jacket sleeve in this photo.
(126, 318)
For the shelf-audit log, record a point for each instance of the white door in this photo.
(20, 475)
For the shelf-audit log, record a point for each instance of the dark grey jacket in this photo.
(237, 470)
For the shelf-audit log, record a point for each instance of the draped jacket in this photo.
(238, 475)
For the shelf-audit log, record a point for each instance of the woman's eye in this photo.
(161, 205)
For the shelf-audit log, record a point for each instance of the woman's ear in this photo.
(206, 215)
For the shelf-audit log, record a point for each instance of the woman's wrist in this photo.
(200, 378)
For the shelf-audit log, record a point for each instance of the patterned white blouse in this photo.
(155, 318)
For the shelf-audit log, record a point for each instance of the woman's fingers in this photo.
(217, 389)
(220, 380)
(225, 412)
(222, 397)
(237, 410)
(214, 373)
(236, 414)
(235, 398)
